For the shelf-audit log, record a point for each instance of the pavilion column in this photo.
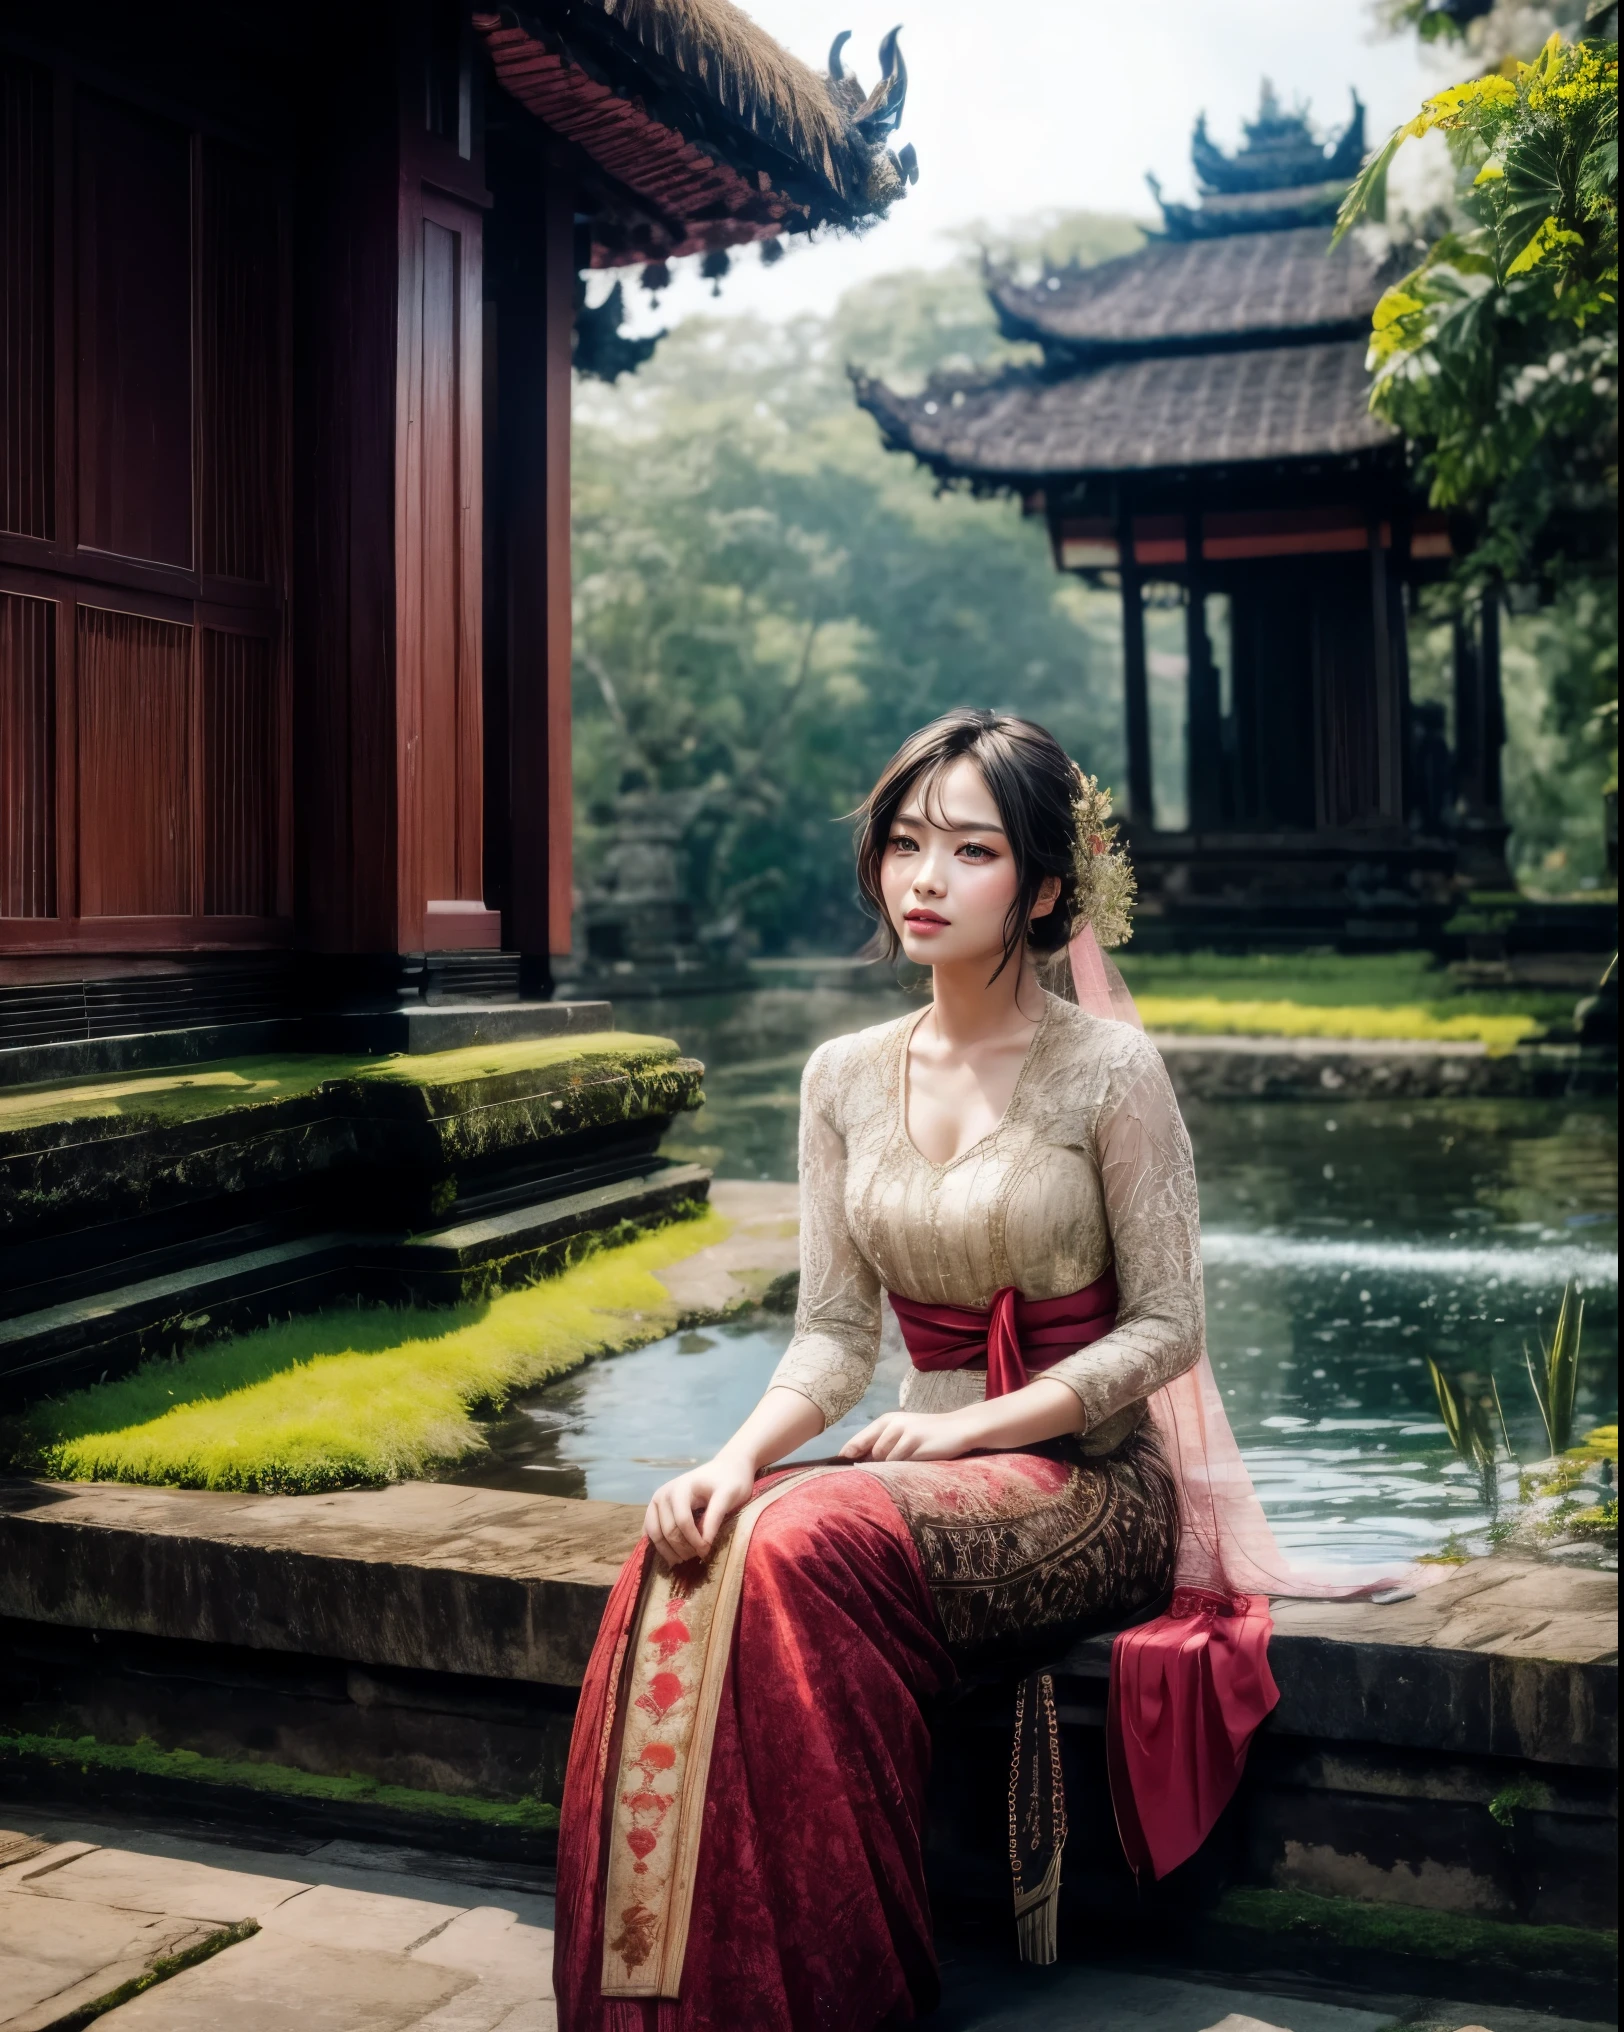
(1136, 689)
(1204, 745)
(1389, 679)
(534, 372)
(1480, 822)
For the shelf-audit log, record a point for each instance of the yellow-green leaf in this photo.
(1395, 303)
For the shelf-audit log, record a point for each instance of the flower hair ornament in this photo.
(1106, 889)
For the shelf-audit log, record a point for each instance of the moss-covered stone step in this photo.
(401, 1137)
(115, 1328)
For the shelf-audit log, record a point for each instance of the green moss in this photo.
(161, 1970)
(625, 1048)
(190, 1093)
(1409, 1930)
(1402, 1022)
(357, 1395)
(1415, 995)
(177, 1094)
(145, 1759)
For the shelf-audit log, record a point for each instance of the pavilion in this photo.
(284, 467)
(1196, 433)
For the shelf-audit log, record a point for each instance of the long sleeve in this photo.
(1147, 1179)
(837, 1322)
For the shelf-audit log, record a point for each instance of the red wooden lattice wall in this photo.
(144, 743)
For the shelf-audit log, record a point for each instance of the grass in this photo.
(194, 1092)
(1404, 995)
(1411, 1930)
(354, 1396)
(145, 1759)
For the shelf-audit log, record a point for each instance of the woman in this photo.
(742, 1830)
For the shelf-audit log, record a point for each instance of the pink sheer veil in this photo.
(1226, 1546)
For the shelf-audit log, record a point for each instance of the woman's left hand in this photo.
(915, 1435)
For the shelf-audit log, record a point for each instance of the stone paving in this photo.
(354, 1937)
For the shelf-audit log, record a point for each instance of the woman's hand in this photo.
(1043, 1410)
(916, 1435)
(684, 1515)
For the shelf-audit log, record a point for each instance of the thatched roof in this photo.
(1264, 406)
(737, 63)
(714, 130)
(1176, 295)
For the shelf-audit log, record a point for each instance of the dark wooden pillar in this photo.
(1204, 745)
(1480, 823)
(534, 380)
(1136, 691)
(388, 646)
(1388, 675)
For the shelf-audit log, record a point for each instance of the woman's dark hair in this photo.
(1033, 783)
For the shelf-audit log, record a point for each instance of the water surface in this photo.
(1344, 1242)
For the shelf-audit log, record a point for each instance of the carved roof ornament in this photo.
(1284, 175)
(1281, 151)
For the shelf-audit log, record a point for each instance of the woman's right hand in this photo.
(685, 1515)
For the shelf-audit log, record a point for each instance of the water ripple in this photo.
(1453, 1262)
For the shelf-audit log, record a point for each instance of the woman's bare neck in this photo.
(969, 1010)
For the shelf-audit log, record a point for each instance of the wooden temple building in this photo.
(284, 467)
(1197, 434)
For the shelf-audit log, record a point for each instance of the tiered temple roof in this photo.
(1195, 295)
(1283, 176)
(1185, 409)
(1238, 341)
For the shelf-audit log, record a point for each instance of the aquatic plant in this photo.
(1556, 1377)
(1465, 1409)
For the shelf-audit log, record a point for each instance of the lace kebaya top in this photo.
(1090, 1165)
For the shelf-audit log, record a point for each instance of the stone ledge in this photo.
(1347, 1068)
(423, 1574)
(1504, 1659)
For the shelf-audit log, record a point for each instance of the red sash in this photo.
(1014, 1335)
(1189, 1688)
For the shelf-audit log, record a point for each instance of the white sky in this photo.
(1041, 105)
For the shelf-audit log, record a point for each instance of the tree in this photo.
(766, 601)
(1497, 356)
(1498, 353)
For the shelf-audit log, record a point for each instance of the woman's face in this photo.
(947, 874)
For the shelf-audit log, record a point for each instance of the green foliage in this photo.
(1523, 1794)
(1498, 355)
(766, 601)
(146, 1760)
(1556, 1375)
(353, 1396)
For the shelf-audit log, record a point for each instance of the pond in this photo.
(1344, 1243)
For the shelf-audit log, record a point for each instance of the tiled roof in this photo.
(1211, 409)
(1200, 290)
